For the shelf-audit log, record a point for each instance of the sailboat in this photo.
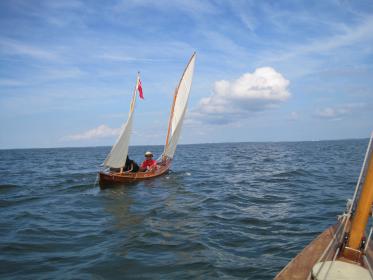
(344, 250)
(115, 161)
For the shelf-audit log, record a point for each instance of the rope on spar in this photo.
(333, 261)
(358, 184)
(328, 248)
(361, 174)
(366, 263)
(331, 264)
(368, 239)
(365, 259)
(345, 218)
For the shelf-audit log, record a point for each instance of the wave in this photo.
(224, 211)
(7, 187)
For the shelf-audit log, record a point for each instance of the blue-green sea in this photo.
(225, 211)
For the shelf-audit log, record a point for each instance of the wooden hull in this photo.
(300, 267)
(342, 251)
(110, 178)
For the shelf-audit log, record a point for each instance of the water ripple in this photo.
(227, 211)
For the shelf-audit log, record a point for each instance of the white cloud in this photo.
(125, 58)
(102, 131)
(338, 112)
(63, 73)
(263, 89)
(192, 7)
(12, 47)
(352, 35)
(243, 10)
(342, 37)
(43, 75)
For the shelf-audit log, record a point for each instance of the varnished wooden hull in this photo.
(342, 251)
(300, 267)
(109, 178)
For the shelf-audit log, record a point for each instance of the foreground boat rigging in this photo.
(342, 251)
(117, 157)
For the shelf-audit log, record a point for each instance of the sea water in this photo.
(227, 211)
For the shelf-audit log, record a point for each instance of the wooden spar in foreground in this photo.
(360, 219)
(117, 157)
(342, 251)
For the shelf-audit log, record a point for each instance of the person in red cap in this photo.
(149, 163)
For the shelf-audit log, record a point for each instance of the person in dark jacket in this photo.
(130, 166)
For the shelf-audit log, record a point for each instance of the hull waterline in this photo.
(109, 178)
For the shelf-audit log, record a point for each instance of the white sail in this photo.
(118, 154)
(179, 108)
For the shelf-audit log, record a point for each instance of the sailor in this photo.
(149, 163)
(130, 166)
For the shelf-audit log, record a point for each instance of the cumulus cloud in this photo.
(338, 112)
(263, 89)
(102, 131)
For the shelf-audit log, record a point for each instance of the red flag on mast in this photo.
(139, 88)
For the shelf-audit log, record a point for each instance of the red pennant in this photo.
(139, 88)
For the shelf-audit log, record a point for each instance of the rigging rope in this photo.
(327, 250)
(345, 218)
(361, 174)
(366, 263)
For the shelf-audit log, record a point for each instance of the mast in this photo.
(117, 156)
(341, 251)
(134, 95)
(360, 220)
(171, 115)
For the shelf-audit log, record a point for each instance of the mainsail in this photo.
(118, 154)
(179, 108)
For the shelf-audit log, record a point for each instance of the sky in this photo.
(265, 70)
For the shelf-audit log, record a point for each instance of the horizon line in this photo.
(187, 144)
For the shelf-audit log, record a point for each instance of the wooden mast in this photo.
(354, 246)
(171, 115)
(341, 249)
(174, 102)
(132, 106)
(134, 91)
